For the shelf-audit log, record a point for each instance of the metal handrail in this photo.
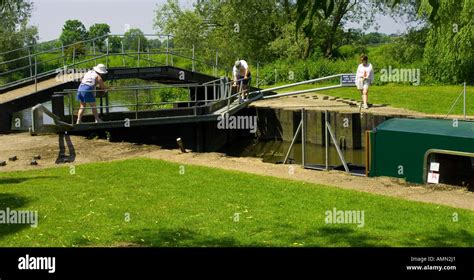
(84, 41)
(223, 96)
(302, 83)
(463, 93)
(134, 88)
(169, 52)
(46, 73)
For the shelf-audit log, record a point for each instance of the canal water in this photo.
(275, 152)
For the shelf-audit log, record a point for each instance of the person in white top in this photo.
(364, 78)
(86, 91)
(241, 74)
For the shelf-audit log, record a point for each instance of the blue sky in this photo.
(50, 15)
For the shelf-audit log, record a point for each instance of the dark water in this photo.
(275, 152)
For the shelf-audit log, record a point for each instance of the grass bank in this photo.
(157, 203)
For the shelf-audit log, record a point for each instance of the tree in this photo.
(224, 26)
(287, 46)
(154, 44)
(327, 18)
(99, 30)
(337, 12)
(409, 47)
(187, 27)
(115, 44)
(73, 31)
(15, 32)
(449, 50)
(132, 38)
(374, 38)
(309, 8)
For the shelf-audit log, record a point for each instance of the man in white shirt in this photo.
(364, 78)
(242, 76)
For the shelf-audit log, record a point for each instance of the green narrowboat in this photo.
(407, 148)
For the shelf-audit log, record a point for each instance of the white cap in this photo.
(238, 63)
(100, 68)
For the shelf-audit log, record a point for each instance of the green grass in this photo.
(198, 208)
(425, 99)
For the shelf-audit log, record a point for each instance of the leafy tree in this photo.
(288, 46)
(374, 38)
(325, 8)
(327, 18)
(186, 26)
(409, 47)
(449, 51)
(265, 31)
(73, 32)
(115, 44)
(15, 32)
(131, 39)
(224, 26)
(99, 30)
(165, 43)
(154, 44)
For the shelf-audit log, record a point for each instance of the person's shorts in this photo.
(362, 84)
(245, 82)
(85, 94)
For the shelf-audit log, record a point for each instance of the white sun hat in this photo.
(100, 68)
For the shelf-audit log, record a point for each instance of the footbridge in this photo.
(184, 89)
(37, 74)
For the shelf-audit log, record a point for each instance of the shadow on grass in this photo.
(11, 201)
(351, 236)
(176, 238)
(6, 181)
(182, 237)
(333, 236)
(443, 237)
(325, 236)
(13, 180)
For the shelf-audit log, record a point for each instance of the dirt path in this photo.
(24, 147)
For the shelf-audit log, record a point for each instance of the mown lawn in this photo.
(198, 208)
(425, 99)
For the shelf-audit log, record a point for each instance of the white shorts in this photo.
(362, 84)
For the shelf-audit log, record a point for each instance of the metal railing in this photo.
(463, 94)
(38, 125)
(221, 92)
(341, 84)
(33, 65)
